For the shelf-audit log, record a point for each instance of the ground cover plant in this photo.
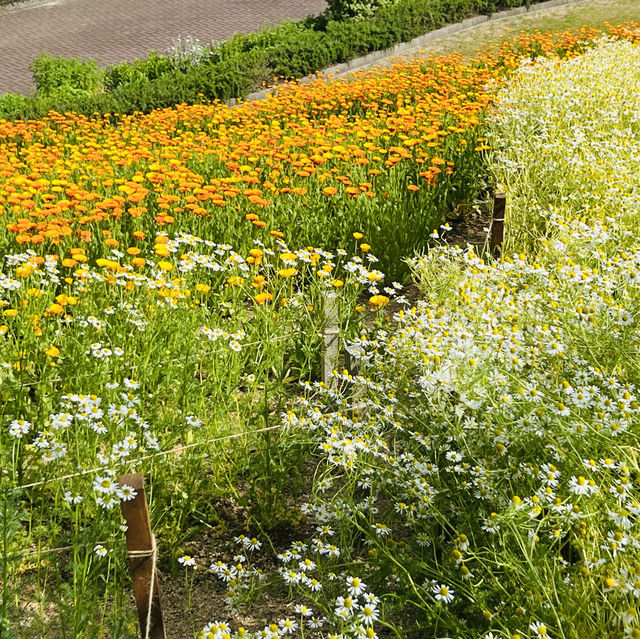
(165, 283)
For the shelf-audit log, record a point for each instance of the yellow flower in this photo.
(263, 297)
(203, 288)
(337, 283)
(358, 236)
(378, 301)
(162, 251)
(52, 351)
(10, 312)
(56, 309)
(24, 271)
(365, 247)
(235, 280)
(4, 329)
(287, 272)
(165, 266)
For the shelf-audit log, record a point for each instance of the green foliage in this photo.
(363, 9)
(65, 77)
(297, 57)
(155, 66)
(12, 103)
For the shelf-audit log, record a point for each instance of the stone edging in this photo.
(357, 64)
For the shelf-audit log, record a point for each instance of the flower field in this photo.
(165, 286)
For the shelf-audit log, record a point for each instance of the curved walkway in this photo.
(111, 31)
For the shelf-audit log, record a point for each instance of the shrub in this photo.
(65, 76)
(150, 68)
(302, 55)
(12, 102)
(359, 9)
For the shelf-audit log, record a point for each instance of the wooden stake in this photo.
(497, 224)
(142, 559)
(331, 334)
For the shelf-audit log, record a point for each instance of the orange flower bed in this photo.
(312, 162)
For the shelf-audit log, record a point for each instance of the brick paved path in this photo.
(112, 31)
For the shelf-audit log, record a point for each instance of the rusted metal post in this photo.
(142, 559)
(497, 223)
(331, 336)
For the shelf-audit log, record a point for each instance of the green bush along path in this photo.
(118, 30)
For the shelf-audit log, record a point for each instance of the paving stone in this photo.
(112, 31)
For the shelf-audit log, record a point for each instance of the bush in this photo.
(362, 9)
(151, 68)
(12, 103)
(65, 76)
(297, 57)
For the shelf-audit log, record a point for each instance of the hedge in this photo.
(236, 67)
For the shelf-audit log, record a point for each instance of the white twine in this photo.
(153, 553)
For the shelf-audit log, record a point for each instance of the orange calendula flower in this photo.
(262, 298)
(259, 281)
(378, 301)
(25, 270)
(52, 351)
(287, 272)
(329, 190)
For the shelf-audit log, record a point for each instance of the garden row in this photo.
(193, 73)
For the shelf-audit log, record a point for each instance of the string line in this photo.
(164, 453)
